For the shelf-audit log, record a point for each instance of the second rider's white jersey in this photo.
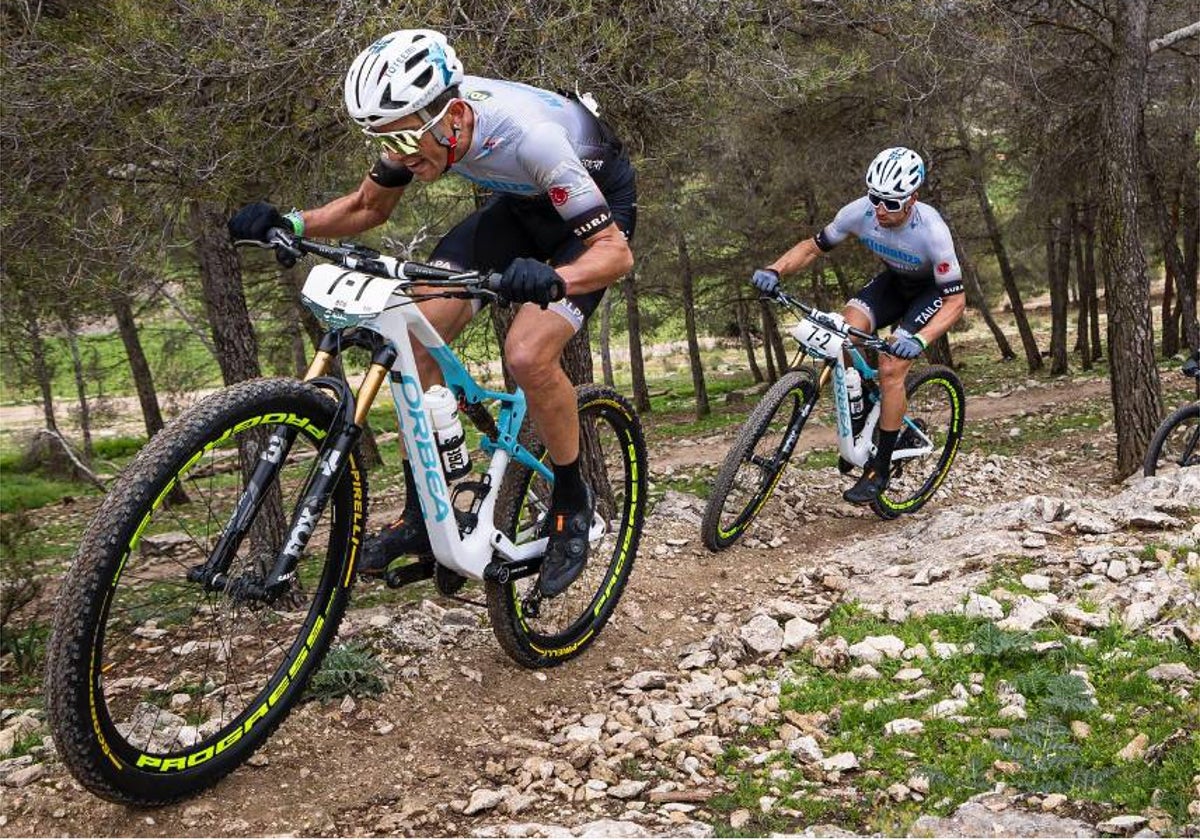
(529, 141)
(921, 249)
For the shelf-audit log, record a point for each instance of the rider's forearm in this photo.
(799, 257)
(606, 260)
(367, 207)
(950, 311)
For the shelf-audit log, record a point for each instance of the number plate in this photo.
(817, 340)
(342, 298)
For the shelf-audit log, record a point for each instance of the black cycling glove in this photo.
(254, 220)
(531, 281)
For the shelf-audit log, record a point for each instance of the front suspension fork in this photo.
(319, 487)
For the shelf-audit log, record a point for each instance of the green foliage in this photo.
(348, 669)
(992, 643)
(28, 491)
(960, 757)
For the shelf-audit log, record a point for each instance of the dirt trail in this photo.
(380, 767)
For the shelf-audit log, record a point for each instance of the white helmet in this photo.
(400, 74)
(895, 173)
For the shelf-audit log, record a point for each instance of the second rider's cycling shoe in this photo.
(867, 488)
(567, 550)
(405, 536)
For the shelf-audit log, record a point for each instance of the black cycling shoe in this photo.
(866, 489)
(403, 537)
(567, 550)
(844, 466)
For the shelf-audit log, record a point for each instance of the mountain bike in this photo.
(1176, 442)
(209, 585)
(925, 449)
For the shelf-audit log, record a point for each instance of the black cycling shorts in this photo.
(510, 226)
(893, 299)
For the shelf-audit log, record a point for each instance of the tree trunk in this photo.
(85, 417)
(41, 365)
(637, 367)
(773, 340)
(978, 300)
(1089, 255)
(689, 317)
(939, 352)
(606, 364)
(1058, 256)
(139, 368)
(1189, 225)
(1173, 258)
(1033, 356)
(743, 328)
(1136, 392)
(1082, 342)
(224, 299)
(773, 371)
(843, 282)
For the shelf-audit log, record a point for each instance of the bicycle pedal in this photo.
(423, 569)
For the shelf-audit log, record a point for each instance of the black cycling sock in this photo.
(569, 491)
(883, 454)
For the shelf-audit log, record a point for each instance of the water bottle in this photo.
(854, 394)
(448, 432)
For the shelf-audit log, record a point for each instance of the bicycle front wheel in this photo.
(928, 441)
(1176, 443)
(156, 687)
(540, 632)
(756, 460)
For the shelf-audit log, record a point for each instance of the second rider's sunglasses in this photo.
(889, 204)
(406, 141)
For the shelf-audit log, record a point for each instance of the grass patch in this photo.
(1102, 685)
(348, 669)
(29, 491)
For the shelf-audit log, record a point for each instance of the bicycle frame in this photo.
(815, 334)
(373, 310)
(398, 324)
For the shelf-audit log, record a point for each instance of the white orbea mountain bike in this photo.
(929, 435)
(209, 585)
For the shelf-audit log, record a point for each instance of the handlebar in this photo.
(290, 247)
(817, 316)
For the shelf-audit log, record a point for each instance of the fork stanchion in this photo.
(366, 394)
(319, 366)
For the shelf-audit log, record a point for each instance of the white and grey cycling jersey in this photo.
(921, 250)
(532, 142)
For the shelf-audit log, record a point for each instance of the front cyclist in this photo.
(562, 212)
(920, 288)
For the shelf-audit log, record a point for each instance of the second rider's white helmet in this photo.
(895, 173)
(400, 74)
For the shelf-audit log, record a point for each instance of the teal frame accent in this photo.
(512, 409)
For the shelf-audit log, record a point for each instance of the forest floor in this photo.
(463, 741)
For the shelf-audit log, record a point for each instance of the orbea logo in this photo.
(427, 456)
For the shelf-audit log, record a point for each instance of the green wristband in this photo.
(296, 220)
(924, 344)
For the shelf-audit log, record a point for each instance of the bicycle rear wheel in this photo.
(1176, 443)
(155, 686)
(540, 632)
(756, 460)
(932, 431)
